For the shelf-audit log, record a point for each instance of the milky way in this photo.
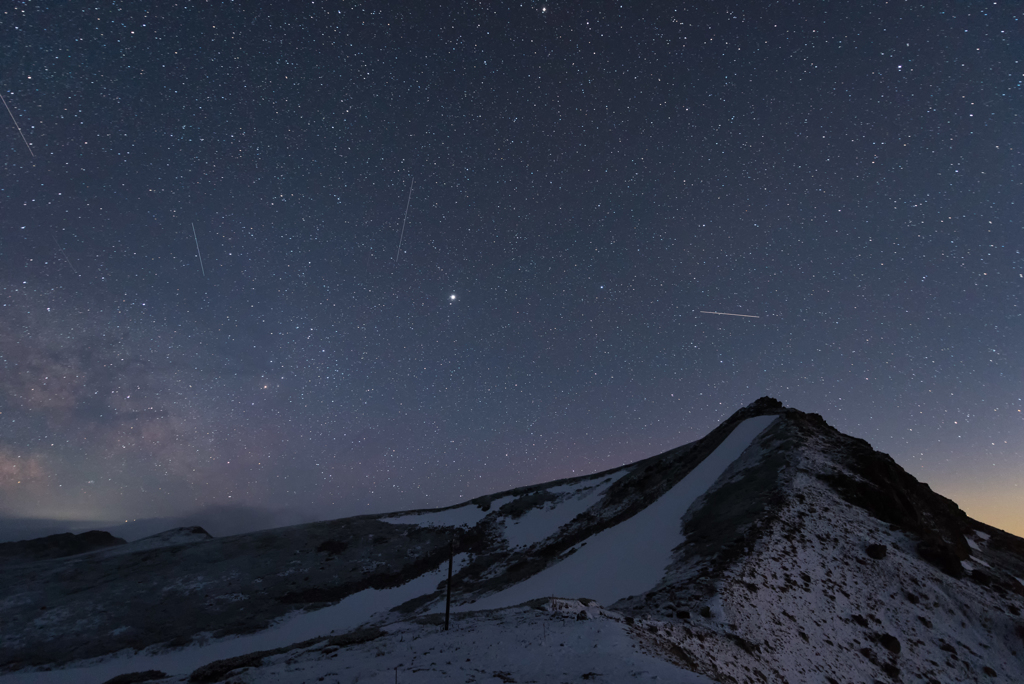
(585, 182)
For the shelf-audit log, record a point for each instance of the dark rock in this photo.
(886, 491)
(748, 646)
(890, 643)
(766, 405)
(583, 615)
(683, 614)
(891, 670)
(860, 620)
(913, 598)
(58, 546)
(877, 551)
(869, 654)
(989, 671)
(219, 670)
(332, 546)
(705, 611)
(981, 577)
(137, 677)
(942, 555)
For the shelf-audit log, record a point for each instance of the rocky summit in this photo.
(775, 549)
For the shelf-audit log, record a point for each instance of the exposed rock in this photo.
(58, 546)
(890, 643)
(877, 551)
(784, 546)
(137, 677)
(942, 555)
(220, 669)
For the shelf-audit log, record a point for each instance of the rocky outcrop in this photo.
(57, 546)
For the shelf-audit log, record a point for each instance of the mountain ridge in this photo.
(781, 557)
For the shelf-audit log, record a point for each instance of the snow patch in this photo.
(540, 523)
(631, 557)
(349, 613)
(466, 515)
(977, 560)
(517, 645)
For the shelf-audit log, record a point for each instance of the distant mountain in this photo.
(57, 546)
(220, 521)
(773, 549)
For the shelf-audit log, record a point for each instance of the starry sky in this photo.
(203, 300)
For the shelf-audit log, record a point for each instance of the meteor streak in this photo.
(719, 313)
(65, 255)
(407, 202)
(196, 237)
(17, 126)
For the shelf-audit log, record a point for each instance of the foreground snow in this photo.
(553, 644)
(349, 613)
(789, 552)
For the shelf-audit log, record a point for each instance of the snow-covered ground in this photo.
(810, 589)
(784, 578)
(540, 523)
(627, 559)
(631, 557)
(515, 645)
(349, 613)
(465, 515)
(175, 537)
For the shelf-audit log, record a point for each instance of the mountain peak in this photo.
(773, 548)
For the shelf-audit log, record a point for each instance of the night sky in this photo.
(586, 179)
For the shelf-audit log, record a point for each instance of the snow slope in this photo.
(631, 557)
(465, 515)
(175, 537)
(774, 549)
(513, 645)
(538, 524)
(349, 613)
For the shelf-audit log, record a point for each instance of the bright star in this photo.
(452, 297)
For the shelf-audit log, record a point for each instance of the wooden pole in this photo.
(448, 601)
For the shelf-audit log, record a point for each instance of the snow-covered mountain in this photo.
(774, 549)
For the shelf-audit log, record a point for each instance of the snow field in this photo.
(349, 613)
(465, 515)
(816, 591)
(540, 523)
(631, 557)
(518, 644)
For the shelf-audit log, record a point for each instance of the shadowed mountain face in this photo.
(775, 548)
(57, 546)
